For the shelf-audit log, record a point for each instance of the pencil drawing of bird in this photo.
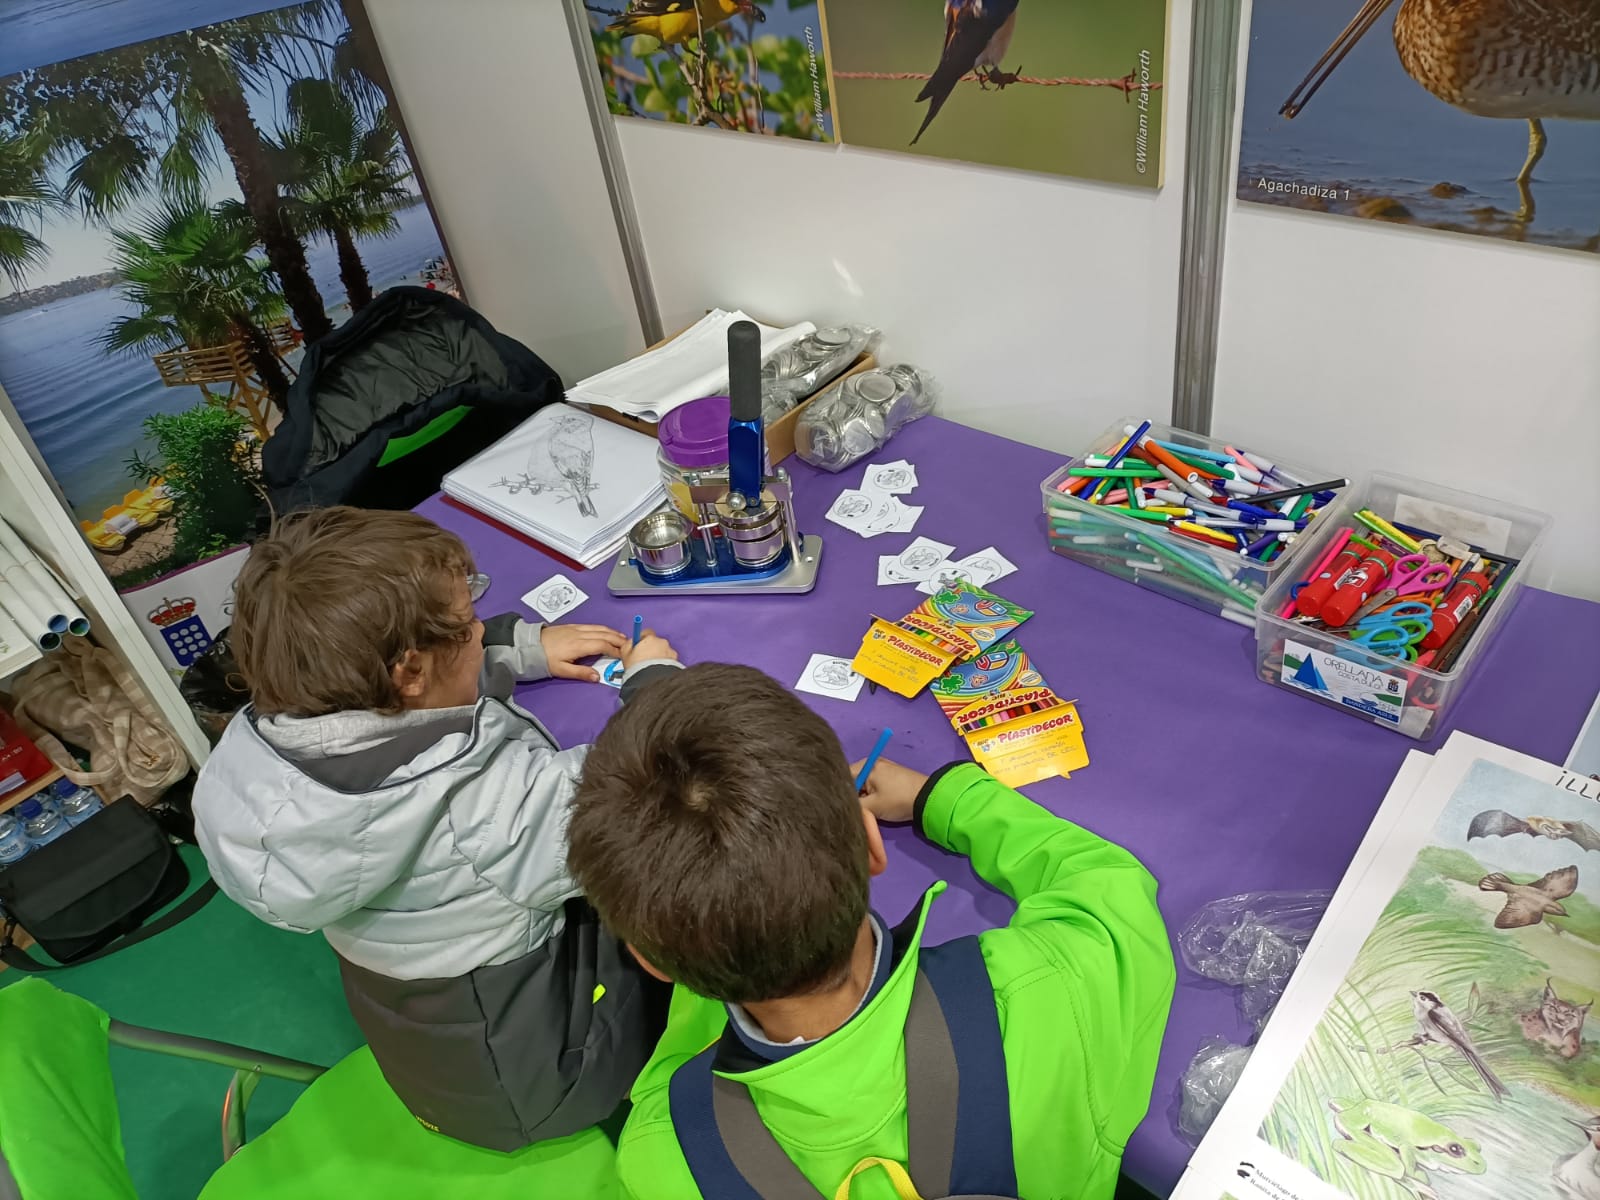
(1496, 823)
(673, 22)
(1578, 1177)
(1528, 60)
(977, 34)
(1437, 1025)
(1530, 903)
(571, 449)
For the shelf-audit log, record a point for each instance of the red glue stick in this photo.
(1315, 594)
(1469, 589)
(1351, 592)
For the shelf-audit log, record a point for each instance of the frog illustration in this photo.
(1401, 1144)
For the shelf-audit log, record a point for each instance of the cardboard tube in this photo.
(21, 607)
(11, 633)
(62, 615)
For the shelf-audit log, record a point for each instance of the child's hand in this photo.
(564, 645)
(892, 790)
(650, 647)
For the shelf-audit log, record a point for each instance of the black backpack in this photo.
(958, 1106)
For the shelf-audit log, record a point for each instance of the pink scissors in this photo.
(1412, 575)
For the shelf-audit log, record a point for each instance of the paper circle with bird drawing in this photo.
(853, 506)
(835, 675)
(557, 595)
(891, 479)
(920, 558)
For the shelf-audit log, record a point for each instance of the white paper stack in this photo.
(691, 365)
(567, 479)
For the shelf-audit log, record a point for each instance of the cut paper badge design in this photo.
(555, 597)
(826, 675)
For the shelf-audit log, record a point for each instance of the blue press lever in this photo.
(746, 439)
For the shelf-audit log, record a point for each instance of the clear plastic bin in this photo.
(1216, 579)
(1397, 695)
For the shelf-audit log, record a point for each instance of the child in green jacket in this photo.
(727, 845)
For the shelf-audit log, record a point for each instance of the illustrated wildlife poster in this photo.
(1435, 1043)
(1034, 85)
(1480, 118)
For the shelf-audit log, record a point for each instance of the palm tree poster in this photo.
(1036, 85)
(190, 192)
(749, 66)
(1480, 118)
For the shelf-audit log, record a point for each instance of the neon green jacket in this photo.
(1083, 978)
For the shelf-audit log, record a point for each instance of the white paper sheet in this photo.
(915, 563)
(986, 565)
(826, 675)
(891, 478)
(555, 597)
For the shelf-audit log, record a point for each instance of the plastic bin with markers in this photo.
(1389, 688)
(1217, 579)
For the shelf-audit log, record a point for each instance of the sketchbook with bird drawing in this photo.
(1435, 1043)
(566, 479)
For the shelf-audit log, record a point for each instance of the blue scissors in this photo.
(1395, 632)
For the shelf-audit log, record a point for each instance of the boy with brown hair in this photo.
(384, 787)
(727, 845)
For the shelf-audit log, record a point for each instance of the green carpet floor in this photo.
(221, 974)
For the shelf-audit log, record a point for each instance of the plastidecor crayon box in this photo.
(1145, 549)
(1409, 688)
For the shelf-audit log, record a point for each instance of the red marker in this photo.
(1469, 589)
(1351, 592)
(1315, 594)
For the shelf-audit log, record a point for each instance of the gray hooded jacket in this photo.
(429, 848)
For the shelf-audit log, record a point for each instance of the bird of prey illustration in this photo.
(1437, 1025)
(673, 22)
(977, 34)
(1530, 903)
(571, 449)
(1495, 823)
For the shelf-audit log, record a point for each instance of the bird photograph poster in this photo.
(749, 66)
(184, 205)
(1478, 117)
(1435, 1041)
(1035, 85)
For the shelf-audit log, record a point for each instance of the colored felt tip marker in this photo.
(1306, 490)
(872, 760)
(638, 627)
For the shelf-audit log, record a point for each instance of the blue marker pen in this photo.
(638, 627)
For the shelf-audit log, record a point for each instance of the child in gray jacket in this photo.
(384, 787)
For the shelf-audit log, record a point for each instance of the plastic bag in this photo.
(1253, 941)
(1207, 1082)
(791, 374)
(851, 420)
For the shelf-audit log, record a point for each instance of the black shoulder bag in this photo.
(88, 893)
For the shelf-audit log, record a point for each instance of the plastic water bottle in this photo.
(14, 843)
(75, 804)
(42, 825)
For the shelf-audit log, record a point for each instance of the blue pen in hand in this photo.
(638, 628)
(872, 760)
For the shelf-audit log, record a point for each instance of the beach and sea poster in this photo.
(190, 191)
(1481, 119)
(1062, 89)
(1435, 1041)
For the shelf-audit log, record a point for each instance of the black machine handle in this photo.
(744, 371)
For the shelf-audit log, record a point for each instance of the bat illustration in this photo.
(572, 451)
(977, 33)
(1530, 903)
(1437, 1024)
(1495, 823)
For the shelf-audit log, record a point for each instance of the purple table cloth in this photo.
(1276, 793)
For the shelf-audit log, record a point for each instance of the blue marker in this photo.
(872, 760)
(638, 627)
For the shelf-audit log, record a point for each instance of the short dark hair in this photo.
(717, 830)
(332, 598)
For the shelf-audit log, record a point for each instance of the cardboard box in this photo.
(780, 434)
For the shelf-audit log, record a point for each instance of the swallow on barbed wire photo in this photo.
(1497, 823)
(1437, 1025)
(977, 34)
(673, 22)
